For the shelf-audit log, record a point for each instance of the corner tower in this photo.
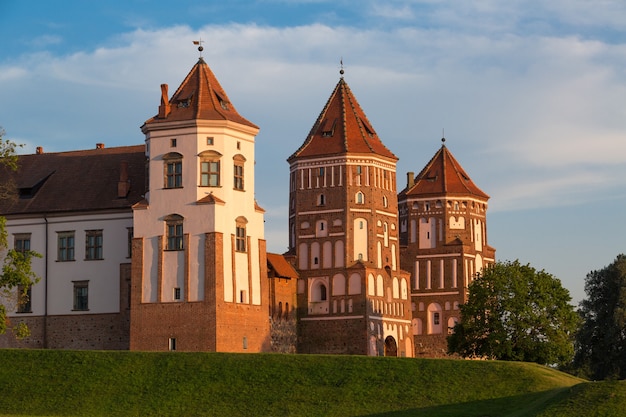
(352, 295)
(199, 259)
(443, 234)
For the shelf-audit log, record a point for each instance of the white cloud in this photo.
(510, 104)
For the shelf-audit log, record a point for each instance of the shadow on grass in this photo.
(526, 405)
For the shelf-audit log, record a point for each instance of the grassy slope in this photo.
(204, 384)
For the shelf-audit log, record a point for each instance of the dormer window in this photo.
(223, 103)
(328, 128)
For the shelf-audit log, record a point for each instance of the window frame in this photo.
(241, 235)
(239, 172)
(24, 299)
(210, 169)
(174, 233)
(81, 295)
(66, 252)
(172, 170)
(94, 242)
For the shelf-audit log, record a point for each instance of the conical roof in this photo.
(199, 96)
(342, 128)
(443, 175)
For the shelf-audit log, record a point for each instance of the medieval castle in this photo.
(161, 246)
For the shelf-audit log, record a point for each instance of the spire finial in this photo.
(341, 71)
(200, 47)
(443, 136)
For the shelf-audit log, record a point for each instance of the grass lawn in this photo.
(87, 383)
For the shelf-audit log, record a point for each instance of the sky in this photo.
(530, 96)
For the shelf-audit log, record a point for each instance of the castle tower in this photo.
(199, 260)
(443, 234)
(352, 295)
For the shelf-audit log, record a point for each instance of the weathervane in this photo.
(200, 47)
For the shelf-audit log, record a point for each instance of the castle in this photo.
(161, 246)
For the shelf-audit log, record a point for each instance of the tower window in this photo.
(210, 173)
(209, 140)
(240, 234)
(238, 178)
(173, 143)
(174, 232)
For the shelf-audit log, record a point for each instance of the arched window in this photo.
(322, 289)
(174, 232)
(360, 198)
(173, 165)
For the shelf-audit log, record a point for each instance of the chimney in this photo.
(39, 150)
(410, 179)
(99, 145)
(123, 186)
(164, 108)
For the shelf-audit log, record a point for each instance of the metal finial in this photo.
(341, 71)
(200, 47)
(443, 136)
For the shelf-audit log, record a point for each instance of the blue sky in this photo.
(530, 94)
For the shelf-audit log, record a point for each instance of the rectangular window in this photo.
(209, 140)
(238, 177)
(22, 243)
(210, 173)
(23, 299)
(173, 143)
(93, 245)
(176, 293)
(81, 295)
(436, 319)
(172, 343)
(175, 236)
(65, 245)
(174, 174)
(241, 239)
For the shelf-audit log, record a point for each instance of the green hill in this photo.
(87, 383)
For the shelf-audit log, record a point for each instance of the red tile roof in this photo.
(282, 268)
(200, 96)
(443, 175)
(341, 128)
(76, 181)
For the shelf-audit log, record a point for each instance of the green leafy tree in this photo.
(601, 342)
(16, 270)
(516, 313)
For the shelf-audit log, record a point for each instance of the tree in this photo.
(16, 273)
(516, 313)
(601, 342)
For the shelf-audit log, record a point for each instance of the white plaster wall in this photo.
(191, 139)
(103, 275)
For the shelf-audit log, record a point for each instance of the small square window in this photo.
(173, 143)
(209, 140)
